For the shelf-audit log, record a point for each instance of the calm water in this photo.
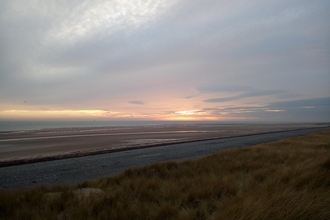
(33, 125)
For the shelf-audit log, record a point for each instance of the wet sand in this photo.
(21, 147)
(77, 170)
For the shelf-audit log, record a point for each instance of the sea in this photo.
(36, 125)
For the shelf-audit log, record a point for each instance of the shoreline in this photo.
(65, 154)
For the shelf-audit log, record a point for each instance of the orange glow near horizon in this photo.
(186, 115)
(182, 118)
(190, 112)
(43, 114)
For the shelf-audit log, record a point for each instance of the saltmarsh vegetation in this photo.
(288, 179)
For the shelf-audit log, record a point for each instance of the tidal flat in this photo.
(20, 147)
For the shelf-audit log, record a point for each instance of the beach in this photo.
(19, 147)
(90, 167)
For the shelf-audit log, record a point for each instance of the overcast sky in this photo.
(250, 60)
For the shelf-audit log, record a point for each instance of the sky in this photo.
(224, 60)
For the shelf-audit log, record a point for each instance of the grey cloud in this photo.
(210, 109)
(137, 102)
(280, 45)
(245, 95)
(309, 110)
(211, 88)
(302, 103)
(302, 110)
(191, 96)
(322, 102)
(237, 108)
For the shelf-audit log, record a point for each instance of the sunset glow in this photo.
(191, 112)
(103, 114)
(165, 60)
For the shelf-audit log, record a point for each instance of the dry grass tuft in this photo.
(288, 179)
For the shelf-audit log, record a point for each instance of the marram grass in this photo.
(288, 179)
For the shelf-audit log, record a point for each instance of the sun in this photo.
(188, 115)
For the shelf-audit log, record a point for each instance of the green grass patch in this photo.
(288, 179)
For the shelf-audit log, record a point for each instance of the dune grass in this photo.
(288, 179)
